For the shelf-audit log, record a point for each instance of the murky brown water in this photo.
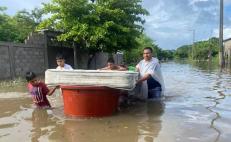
(197, 108)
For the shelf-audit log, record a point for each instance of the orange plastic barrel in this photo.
(89, 101)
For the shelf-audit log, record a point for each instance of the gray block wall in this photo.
(5, 69)
(37, 55)
(28, 59)
(100, 60)
(17, 59)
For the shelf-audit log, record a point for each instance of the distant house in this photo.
(227, 49)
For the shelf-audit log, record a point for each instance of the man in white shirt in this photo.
(151, 80)
(61, 63)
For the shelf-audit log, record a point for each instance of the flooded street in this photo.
(197, 108)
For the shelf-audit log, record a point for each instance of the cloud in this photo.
(171, 22)
(227, 2)
(226, 32)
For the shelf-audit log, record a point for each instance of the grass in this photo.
(10, 83)
(15, 85)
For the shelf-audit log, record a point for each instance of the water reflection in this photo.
(39, 120)
(138, 123)
(221, 77)
(150, 126)
(215, 99)
(217, 116)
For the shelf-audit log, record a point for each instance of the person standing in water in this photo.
(151, 80)
(39, 91)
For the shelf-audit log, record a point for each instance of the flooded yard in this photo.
(197, 108)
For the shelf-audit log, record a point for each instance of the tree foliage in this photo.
(183, 51)
(16, 28)
(6, 26)
(132, 56)
(26, 22)
(107, 25)
(201, 50)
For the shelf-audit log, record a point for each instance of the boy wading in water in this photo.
(38, 91)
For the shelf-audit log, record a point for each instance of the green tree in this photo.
(26, 22)
(201, 50)
(166, 54)
(183, 51)
(106, 25)
(36, 15)
(16, 28)
(6, 26)
(133, 55)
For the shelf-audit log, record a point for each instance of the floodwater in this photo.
(197, 108)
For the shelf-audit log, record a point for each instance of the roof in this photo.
(227, 39)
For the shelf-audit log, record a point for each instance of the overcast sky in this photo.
(170, 23)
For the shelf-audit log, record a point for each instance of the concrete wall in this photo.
(39, 52)
(85, 60)
(5, 69)
(17, 59)
(100, 60)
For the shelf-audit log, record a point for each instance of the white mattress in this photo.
(124, 80)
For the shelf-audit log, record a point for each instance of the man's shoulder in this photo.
(141, 61)
(154, 59)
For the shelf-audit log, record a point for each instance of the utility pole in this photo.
(221, 47)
